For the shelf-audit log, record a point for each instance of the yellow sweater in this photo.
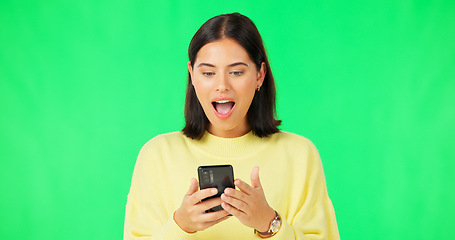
(290, 172)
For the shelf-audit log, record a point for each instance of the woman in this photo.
(230, 119)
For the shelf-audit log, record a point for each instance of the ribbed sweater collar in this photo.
(243, 146)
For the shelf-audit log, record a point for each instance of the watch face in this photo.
(275, 226)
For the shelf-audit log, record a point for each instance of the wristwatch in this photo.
(275, 226)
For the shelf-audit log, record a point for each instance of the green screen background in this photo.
(84, 84)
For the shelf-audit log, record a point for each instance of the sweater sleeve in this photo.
(146, 217)
(136, 226)
(318, 224)
(315, 218)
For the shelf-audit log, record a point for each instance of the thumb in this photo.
(255, 182)
(193, 187)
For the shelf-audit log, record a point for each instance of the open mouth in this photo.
(223, 107)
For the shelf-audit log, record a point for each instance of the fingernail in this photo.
(214, 190)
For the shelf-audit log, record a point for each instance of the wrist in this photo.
(176, 220)
(267, 220)
(274, 227)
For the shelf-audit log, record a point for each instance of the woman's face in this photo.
(225, 80)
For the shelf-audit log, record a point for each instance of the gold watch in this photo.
(275, 226)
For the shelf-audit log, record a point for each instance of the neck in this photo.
(230, 147)
(231, 133)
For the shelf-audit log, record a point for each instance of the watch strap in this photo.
(270, 232)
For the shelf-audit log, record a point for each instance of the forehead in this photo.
(222, 52)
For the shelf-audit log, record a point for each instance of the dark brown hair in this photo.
(262, 112)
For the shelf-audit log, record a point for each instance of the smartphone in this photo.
(216, 176)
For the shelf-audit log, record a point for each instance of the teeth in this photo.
(222, 101)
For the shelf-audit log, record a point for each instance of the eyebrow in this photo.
(230, 65)
(238, 63)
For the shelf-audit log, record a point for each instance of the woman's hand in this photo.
(191, 216)
(249, 204)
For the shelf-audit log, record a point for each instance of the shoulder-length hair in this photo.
(262, 112)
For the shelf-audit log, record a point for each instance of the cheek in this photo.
(202, 91)
(247, 87)
(201, 84)
(246, 92)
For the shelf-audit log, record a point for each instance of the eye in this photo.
(208, 74)
(237, 73)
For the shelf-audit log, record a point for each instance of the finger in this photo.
(243, 186)
(202, 194)
(214, 216)
(193, 187)
(208, 204)
(232, 210)
(211, 223)
(236, 203)
(235, 193)
(227, 216)
(255, 182)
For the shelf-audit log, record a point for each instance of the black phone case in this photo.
(216, 176)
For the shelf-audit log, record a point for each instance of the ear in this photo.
(190, 70)
(261, 75)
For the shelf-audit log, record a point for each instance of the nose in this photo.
(223, 83)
